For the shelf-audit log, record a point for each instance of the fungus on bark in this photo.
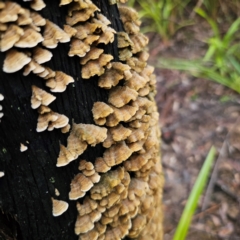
(58, 207)
(59, 82)
(49, 120)
(29, 39)
(120, 96)
(53, 35)
(79, 186)
(96, 67)
(23, 148)
(101, 110)
(41, 55)
(65, 2)
(15, 61)
(24, 19)
(94, 53)
(80, 136)
(57, 193)
(10, 36)
(37, 5)
(10, 11)
(40, 97)
(114, 204)
(37, 19)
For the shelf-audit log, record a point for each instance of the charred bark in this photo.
(31, 176)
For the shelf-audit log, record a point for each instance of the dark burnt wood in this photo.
(31, 176)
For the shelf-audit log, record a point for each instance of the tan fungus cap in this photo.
(37, 5)
(59, 82)
(23, 148)
(10, 37)
(40, 97)
(41, 55)
(58, 207)
(37, 19)
(53, 34)
(29, 39)
(15, 61)
(10, 12)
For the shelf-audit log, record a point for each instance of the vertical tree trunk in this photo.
(31, 177)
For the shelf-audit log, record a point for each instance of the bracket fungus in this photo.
(123, 40)
(37, 5)
(29, 39)
(86, 29)
(41, 55)
(130, 19)
(96, 67)
(49, 120)
(121, 114)
(87, 168)
(86, 223)
(69, 30)
(139, 42)
(15, 61)
(117, 154)
(66, 156)
(10, 37)
(87, 206)
(53, 34)
(120, 133)
(121, 189)
(57, 193)
(108, 181)
(24, 19)
(81, 15)
(79, 48)
(94, 53)
(80, 136)
(10, 11)
(58, 207)
(116, 72)
(40, 97)
(65, 2)
(91, 134)
(79, 186)
(101, 166)
(23, 148)
(101, 110)
(37, 19)
(59, 82)
(120, 96)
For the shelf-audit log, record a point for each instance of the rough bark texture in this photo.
(32, 176)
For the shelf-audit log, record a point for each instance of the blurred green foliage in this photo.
(163, 17)
(221, 62)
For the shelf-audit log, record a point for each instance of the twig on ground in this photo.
(213, 180)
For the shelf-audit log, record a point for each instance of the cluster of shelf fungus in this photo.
(115, 205)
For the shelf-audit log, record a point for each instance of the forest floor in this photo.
(194, 115)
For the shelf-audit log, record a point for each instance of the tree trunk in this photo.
(31, 178)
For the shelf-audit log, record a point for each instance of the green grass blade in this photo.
(228, 37)
(197, 190)
(199, 69)
(235, 63)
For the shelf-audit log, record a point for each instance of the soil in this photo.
(194, 115)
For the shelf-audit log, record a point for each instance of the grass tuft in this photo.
(184, 223)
